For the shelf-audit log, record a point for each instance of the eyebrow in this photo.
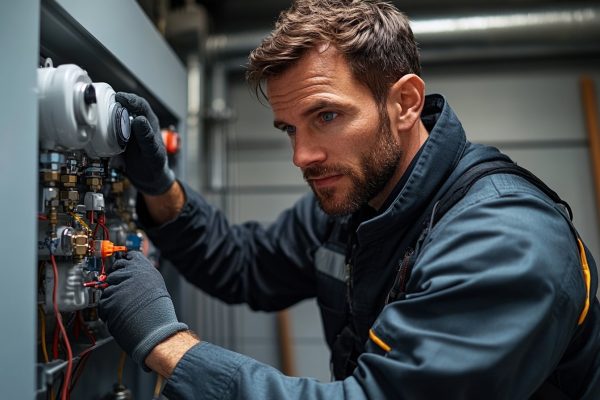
(320, 105)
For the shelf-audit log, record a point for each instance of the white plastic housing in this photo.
(66, 120)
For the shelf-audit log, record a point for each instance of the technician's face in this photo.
(346, 153)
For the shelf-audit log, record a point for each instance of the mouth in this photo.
(324, 181)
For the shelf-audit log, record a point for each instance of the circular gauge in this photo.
(122, 127)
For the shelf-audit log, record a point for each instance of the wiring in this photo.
(84, 356)
(81, 222)
(55, 340)
(67, 378)
(122, 360)
(104, 249)
(43, 333)
(102, 223)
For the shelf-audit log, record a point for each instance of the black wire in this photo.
(61, 384)
(80, 365)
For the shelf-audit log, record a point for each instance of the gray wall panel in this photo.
(515, 106)
(18, 179)
(259, 207)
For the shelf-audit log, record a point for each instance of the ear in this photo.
(405, 102)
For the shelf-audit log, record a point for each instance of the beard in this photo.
(376, 168)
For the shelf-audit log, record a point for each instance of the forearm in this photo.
(165, 356)
(167, 206)
(238, 263)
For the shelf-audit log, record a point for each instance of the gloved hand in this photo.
(137, 308)
(146, 162)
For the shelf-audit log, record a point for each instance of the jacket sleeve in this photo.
(211, 372)
(269, 268)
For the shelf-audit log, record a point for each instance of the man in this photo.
(493, 302)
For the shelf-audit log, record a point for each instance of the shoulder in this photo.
(507, 231)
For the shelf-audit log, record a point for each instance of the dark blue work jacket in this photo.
(493, 303)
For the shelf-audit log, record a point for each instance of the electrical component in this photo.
(77, 114)
(67, 107)
(71, 295)
(107, 248)
(112, 131)
(86, 215)
(94, 201)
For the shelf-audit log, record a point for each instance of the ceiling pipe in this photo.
(524, 33)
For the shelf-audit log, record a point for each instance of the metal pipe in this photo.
(534, 26)
(534, 31)
(195, 144)
(218, 128)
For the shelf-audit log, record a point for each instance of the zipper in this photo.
(349, 265)
(351, 246)
(398, 289)
(349, 286)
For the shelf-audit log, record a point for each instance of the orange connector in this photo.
(108, 248)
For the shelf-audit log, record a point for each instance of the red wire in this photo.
(106, 232)
(86, 330)
(67, 378)
(103, 271)
(55, 343)
(84, 354)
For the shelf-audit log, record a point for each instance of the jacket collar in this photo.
(436, 160)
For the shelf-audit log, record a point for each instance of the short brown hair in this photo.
(373, 35)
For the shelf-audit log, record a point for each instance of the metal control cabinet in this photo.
(114, 42)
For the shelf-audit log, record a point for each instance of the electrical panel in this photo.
(63, 138)
(85, 219)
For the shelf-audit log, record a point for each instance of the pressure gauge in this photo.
(122, 127)
(112, 130)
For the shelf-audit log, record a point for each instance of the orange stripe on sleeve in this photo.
(587, 278)
(378, 341)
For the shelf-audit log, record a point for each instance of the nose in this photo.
(307, 151)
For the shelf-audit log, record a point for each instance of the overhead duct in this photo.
(526, 33)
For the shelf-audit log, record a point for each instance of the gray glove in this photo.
(146, 162)
(137, 308)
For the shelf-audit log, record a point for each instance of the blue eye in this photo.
(289, 129)
(328, 116)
